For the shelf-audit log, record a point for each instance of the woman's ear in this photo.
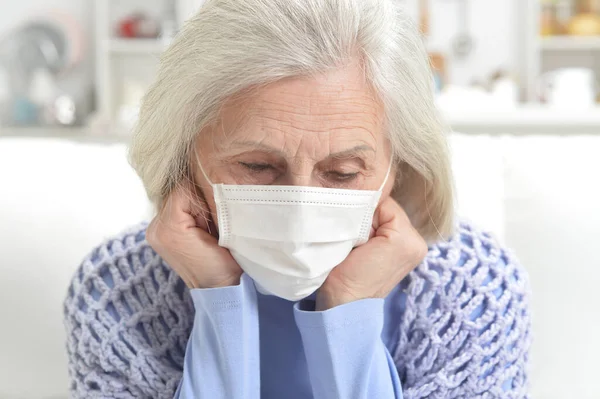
(409, 193)
(199, 206)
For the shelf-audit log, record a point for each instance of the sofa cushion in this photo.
(58, 199)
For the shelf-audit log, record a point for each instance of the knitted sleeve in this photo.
(124, 313)
(466, 329)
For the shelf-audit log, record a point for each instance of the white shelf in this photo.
(78, 134)
(117, 58)
(526, 119)
(137, 46)
(570, 43)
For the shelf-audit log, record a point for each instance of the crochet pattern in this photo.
(464, 333)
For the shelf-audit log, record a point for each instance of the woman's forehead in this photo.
(335, 110)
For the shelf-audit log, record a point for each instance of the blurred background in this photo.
(517, 80)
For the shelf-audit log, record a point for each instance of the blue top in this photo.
(456, 327)
(298, 352)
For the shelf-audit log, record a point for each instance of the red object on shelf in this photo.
(138, 26)
(127, 28)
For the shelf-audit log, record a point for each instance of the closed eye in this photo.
(342, 176)
(256, 167)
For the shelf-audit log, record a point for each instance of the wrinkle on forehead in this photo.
(305, 116)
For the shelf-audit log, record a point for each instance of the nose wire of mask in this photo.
(289, 238)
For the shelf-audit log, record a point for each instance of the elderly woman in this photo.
(304, 245)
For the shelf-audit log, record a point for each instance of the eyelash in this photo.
(343, 177)
(256, 167)
(261, 167)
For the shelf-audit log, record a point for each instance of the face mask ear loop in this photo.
(387, 175)
(202, 169)
(221, 236)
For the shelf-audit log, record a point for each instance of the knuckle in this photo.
(151, 233)
(166, 239)
(157, 234)
(420, 250)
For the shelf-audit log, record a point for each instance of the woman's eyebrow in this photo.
(257, 145)
(352, 152)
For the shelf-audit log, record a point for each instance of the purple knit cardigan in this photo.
(464, 332)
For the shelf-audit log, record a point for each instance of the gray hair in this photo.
(233, 45)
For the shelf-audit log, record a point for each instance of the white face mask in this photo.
(289, 238)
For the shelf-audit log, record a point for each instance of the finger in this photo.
(390, 215)
(372, 232)
(184, 210)
(185, 207)
(177, 209)
(394, 222)
(201, 211)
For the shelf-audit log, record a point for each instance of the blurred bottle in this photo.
(424, 17)
(438, 66)
(564, 13)
(549, 24)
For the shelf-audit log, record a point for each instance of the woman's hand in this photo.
(180, 235)
(375, 268)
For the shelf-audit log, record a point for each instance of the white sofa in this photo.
(58, 199)
(540, 195)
